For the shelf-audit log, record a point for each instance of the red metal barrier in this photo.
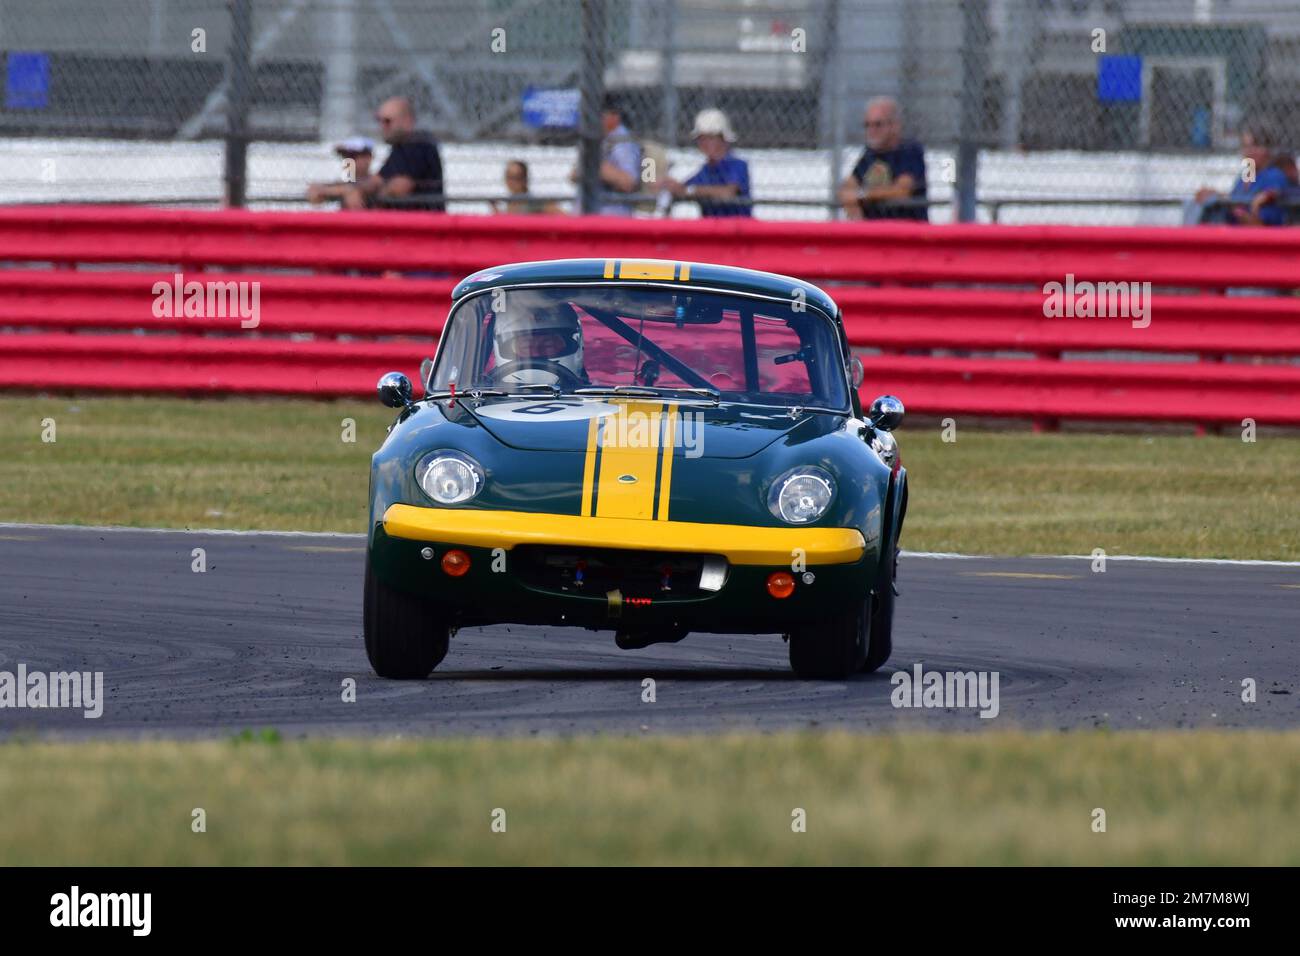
(1194, 392)
(186, 364)
(895, 281)
(289, 304)
(908, 318)
(901, 252)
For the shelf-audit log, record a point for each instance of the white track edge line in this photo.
(937, 555)
(116, 528)
(952, 555)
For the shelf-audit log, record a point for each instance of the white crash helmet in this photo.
(526, 320)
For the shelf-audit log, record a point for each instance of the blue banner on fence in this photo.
(1119, 79)
(27, 81)
(554, 109)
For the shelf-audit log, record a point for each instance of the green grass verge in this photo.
(1004, 798)
(284, 465)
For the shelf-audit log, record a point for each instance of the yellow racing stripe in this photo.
(666, 479)
(650, 270)
(629, 457)
(625, 454)
(647, 269)
(589, 464)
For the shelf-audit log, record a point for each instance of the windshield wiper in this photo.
(712, 393)
(477, 393)
(551, 387)
(650, 391)
(616, 390)
(472, 393)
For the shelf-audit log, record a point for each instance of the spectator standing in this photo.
(413, 166)
(517, 185)
(889, 169)
(620, 165)
(620, 159)
(359, 151)
(723, 178)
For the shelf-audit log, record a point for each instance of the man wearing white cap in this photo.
(724, 177)
(356, 152)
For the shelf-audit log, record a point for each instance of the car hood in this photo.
(574, 424)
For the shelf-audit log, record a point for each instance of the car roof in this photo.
(697, 274)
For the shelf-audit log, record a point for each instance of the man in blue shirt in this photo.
(889, 169)
(724, 177)
(1254, 196)
(620, 164)
(620, 159)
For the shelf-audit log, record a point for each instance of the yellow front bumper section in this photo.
(740, 544)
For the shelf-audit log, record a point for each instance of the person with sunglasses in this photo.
(890, 168)
(413, 167)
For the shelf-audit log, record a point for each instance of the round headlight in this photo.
(801, 495)
(449, 477)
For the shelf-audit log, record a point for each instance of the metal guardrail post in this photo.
(833, 103)
(239, 70)
(668, 133)
(592, 91)
(974, 54)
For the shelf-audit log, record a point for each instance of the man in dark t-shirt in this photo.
(890, 168)
(413, 166)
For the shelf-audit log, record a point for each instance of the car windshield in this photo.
(642, 339)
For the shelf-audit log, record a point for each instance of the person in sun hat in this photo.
(723, 180)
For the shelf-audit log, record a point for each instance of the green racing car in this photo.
(647, 447)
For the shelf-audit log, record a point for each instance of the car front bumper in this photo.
(739, 544)
(833, 567)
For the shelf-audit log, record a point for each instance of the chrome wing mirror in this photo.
(886, 413)
(394, 390)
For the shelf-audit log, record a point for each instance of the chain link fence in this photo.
(1109, 111)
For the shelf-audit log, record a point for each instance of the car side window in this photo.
(776, 342)
(465, 346)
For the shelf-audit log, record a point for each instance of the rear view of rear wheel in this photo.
(406, 637)
(832, 647)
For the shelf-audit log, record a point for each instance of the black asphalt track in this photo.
(268, 635)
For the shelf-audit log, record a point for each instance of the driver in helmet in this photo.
(538, 346)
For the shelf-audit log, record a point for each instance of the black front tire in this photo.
(833, 647)
(882, 622)
(406, 636)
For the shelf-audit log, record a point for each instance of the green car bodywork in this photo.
(540, 509)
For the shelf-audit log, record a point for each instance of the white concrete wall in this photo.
(158, 171)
